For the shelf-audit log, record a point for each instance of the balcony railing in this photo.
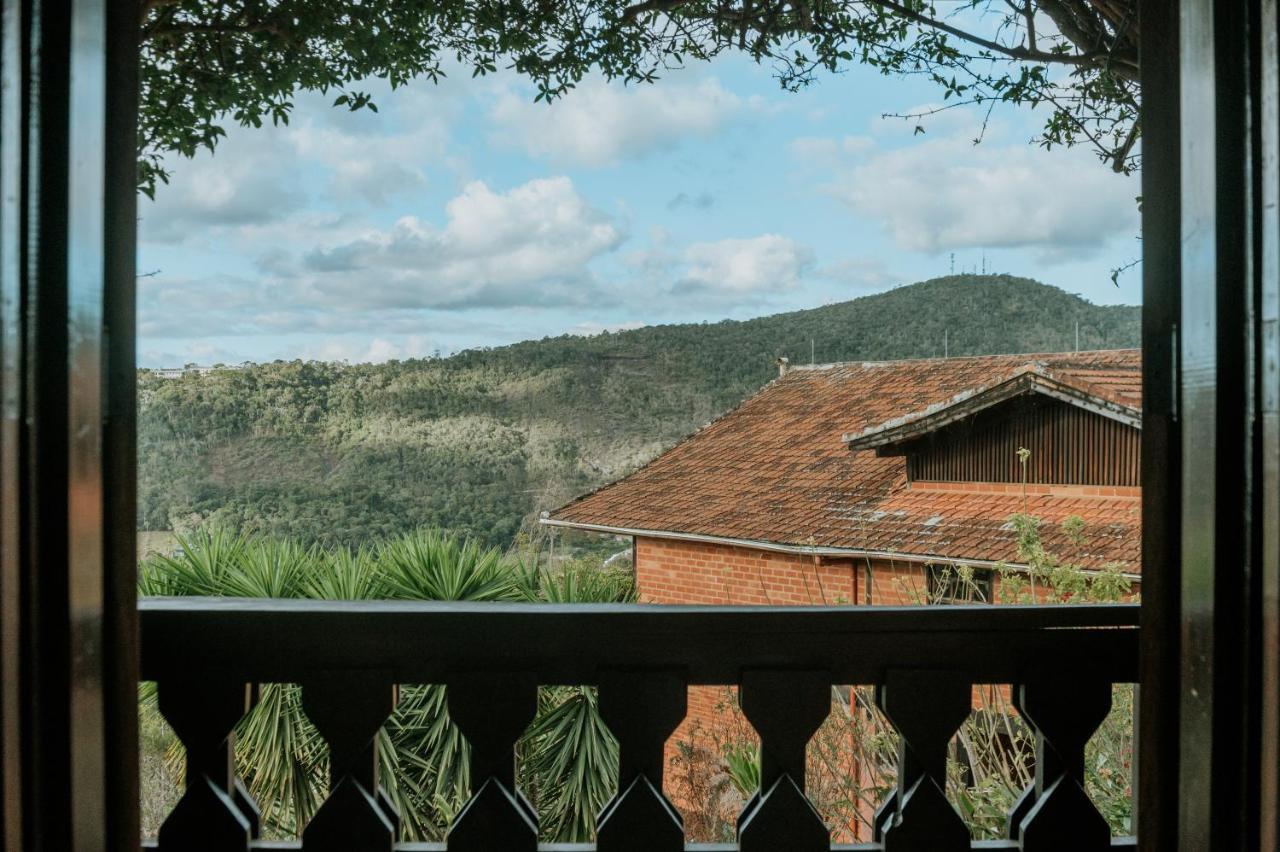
(1062, 661)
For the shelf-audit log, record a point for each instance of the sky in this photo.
(464, 214)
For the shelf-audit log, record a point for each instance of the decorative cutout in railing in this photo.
(208, 655)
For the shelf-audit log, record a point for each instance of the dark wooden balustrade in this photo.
(208, 655)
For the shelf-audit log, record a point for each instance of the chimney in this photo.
(784, 365)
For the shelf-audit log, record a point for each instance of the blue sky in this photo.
(463, 214)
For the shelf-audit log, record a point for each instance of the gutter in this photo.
(800, 549)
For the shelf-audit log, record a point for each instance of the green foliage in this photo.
(568, 757)
(480, 442)
(435, 567)
(742, 763)
(1042, 575)
(568, 763)
(207, 62)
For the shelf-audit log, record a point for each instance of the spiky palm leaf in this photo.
(430, 566)
(200, 567)
(569, 758)
(568, 763)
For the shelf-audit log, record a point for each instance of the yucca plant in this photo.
(568, 757)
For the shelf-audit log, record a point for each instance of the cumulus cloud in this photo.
(369, 167)
(195, 352)
(248, 182)
(700, 201)
(529, 245)
(819, 151)
(364, 351)
(591, 328)
(601, 123)
(946, 193)
(757, 265)
(258, 178)
(864, 273)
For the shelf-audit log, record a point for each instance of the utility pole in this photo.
(811, 361)
(1077, 335)
(946, 343)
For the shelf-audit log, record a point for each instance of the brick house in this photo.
(842, 483)
(860, 482)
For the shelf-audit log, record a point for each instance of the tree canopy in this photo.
(207, 62)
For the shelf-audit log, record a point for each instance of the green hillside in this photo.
(481, 441)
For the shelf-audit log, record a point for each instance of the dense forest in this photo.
(479, 442)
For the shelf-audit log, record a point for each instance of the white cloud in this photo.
(364, 351)
(600, 123)
(259, 177)
(758, 265)
(195, 352)
(946, 193)
(825, 152)
(530, 245)
(370, 167)
(864, 273)
(247, 182)
(701, 201)
(591, 328)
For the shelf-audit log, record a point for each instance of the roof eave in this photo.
(797, 549)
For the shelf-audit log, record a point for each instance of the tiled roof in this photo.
(1032, 378)
(775, 470)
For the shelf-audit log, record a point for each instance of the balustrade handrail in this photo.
(205, 654)
(274, 640)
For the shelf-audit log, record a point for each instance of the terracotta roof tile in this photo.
(775, 470)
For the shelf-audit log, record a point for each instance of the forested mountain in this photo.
(482, 440)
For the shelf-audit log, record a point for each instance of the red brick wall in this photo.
(671, 571)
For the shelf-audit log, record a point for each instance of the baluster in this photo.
(1055, 813)
(492, 711)
(348, 709)
(642, 710)
(885, 813)
(216, 813)
(927, 708)
(786, 709)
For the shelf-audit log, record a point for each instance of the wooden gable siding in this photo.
(1069, 446)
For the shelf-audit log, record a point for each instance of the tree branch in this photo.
(631, 13)
(146, 7)
(1021, 54)
(194, 27)
(1096, 57)
(1122, 153)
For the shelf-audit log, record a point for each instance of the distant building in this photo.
(197, 369)
(835, 480)
(858, 483)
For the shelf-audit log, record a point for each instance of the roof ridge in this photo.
(1008, 355)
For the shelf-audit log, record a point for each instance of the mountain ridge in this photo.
(482, 440)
